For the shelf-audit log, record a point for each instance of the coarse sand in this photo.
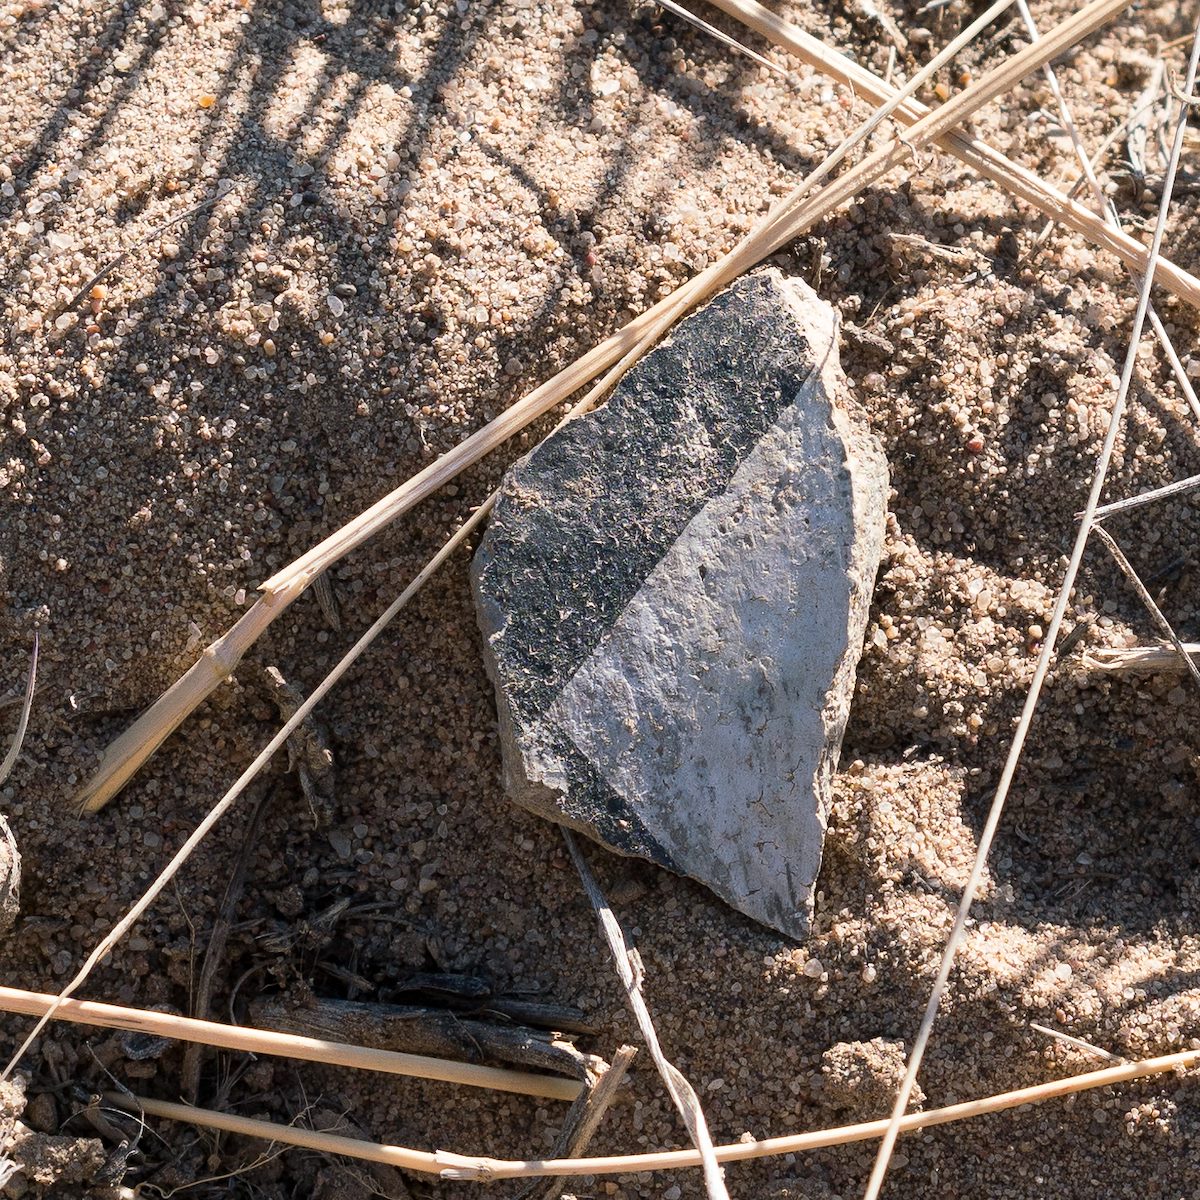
(412, 214)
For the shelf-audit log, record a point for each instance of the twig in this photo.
(582, 1121)
(1043, 666)
(1077, 1042)
(417, 1029)
(18, 738)
(189, 1072)
(1160, 493)
(1143, 594)
(286, 1045)
(125, 755)
(105, 271)
(1140, 660)
(226, 802)
(629, 968)
(464, 1167)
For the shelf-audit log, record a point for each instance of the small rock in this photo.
(673, 593)
(864, 1076)
(336, 304)
(41, 1114)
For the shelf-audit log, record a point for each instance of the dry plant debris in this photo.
(435, 209)
(782, 224)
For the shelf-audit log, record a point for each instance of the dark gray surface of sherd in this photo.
(673, 592)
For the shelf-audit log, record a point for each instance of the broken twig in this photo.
(629, 968)
(582, 1121)
(422, 1030)
(451, 1166)
(18, 738)
(1148, 601)
(286, 1045)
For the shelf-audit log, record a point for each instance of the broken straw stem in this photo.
(466, 1167)
(1141, 660)
(990, 163)
(287, 1045)
(126, 754)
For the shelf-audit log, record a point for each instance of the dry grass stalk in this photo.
(1141, 660)
(1077, 1043)
(629, 969)
(287, 1045)
(132, 748)
(583, 1120)
(722, 37)
(1143, 594)
(421, 1161)
(1159, 493)
(464, 1167)
(18, 737)
(1019, 182)
(1045, 658)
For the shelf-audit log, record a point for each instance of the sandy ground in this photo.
(430, 208)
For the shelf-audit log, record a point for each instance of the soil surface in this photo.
(346, 235)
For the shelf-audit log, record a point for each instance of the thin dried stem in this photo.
(629, 969)
(482, 1169)
(883, 1156)
(1141, 660)
(1077, 1043)
(286, 1045)
(18, 737)
(786, 221)
(722, 37)
(1019, 182)
(1178, 488)
(157, 231)
(1143, 594)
